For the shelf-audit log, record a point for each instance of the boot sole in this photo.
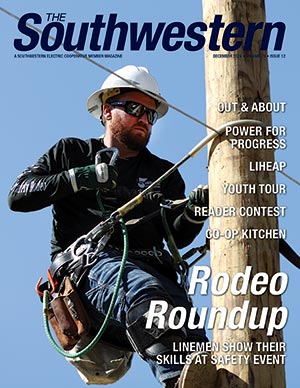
(199, 374)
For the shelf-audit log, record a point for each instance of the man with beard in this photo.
(83, 191)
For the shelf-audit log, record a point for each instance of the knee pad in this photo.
(150, 342)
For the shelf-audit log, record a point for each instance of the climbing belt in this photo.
(46, 300)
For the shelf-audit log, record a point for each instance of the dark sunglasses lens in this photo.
(152, 116)
(138, 110)
(134, 109)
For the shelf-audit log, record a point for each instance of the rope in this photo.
(109, 312)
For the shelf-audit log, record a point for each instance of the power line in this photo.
(108, 70)
(290, 177)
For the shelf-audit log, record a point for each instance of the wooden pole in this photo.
(243, 77)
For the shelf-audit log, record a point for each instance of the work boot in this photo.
(200, 373)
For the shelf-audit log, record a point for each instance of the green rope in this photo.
(109, 312)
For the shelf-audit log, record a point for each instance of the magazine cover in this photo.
(70, 71)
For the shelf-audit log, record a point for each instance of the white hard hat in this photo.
(113, 85)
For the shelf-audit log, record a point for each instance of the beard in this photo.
(134, 140)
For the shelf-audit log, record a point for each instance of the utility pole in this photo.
(242, 77)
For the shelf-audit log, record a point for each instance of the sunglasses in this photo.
(136, 109)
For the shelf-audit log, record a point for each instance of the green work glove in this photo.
(93, 177)
(197, 206)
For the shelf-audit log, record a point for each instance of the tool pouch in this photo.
(68, 317)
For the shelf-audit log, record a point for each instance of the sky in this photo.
(43, 100)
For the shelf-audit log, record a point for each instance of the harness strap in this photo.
(60, 263)
(134, 222)
(171, 242)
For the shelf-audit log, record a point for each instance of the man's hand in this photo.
(197, 198)
(93, 177)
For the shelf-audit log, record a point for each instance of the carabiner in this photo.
(114, 156)
(53, 285)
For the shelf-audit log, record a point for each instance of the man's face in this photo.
(134, 132)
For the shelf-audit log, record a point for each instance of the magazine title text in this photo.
(107, 33)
